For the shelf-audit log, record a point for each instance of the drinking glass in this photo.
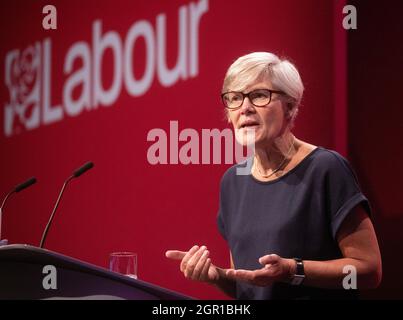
(124, 263)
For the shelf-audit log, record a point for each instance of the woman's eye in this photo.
(259, 95)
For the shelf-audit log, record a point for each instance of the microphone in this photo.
(25, 184)
(87, 166)
(18, 188)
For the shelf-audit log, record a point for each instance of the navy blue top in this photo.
(296, 215)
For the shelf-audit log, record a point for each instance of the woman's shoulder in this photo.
(329, 156)
(330, 160)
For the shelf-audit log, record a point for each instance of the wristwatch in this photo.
(299, 275)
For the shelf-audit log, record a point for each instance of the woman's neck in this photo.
(275, 155)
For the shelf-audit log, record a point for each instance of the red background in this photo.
(125, 203)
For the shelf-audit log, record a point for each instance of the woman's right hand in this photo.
(195, 264)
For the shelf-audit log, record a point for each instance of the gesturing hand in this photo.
(275, 268)
(195, 264)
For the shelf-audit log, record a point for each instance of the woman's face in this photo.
(259, 125)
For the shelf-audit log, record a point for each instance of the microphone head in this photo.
(83, 169)
(25, 184)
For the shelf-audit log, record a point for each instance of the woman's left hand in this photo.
(275, 269)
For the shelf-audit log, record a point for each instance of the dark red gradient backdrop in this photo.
(375, 66)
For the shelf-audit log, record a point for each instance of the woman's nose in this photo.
(247, 106)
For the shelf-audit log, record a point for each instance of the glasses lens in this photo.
(260, 97)
(232, 99)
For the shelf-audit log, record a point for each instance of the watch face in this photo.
(300, 267)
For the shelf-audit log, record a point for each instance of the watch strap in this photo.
(299, 276)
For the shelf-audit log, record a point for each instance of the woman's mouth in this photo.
(249, 124)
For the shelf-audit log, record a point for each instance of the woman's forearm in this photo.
(330, 274)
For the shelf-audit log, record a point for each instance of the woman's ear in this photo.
(287, 107)
(289, 110)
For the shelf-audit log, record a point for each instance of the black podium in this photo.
(23, 269)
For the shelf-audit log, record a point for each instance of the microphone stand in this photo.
(76, 174)
(4, 241)
(45, 232)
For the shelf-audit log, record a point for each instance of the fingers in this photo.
(198, 269)
(246, 275)
(175, 254)
(206, 268)
(269, 259)
(259, 277)
(193, 261)
(240, 274)
(187, 257)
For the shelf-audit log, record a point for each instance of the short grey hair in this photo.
(282, 73)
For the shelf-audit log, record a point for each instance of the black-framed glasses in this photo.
(259, 98)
